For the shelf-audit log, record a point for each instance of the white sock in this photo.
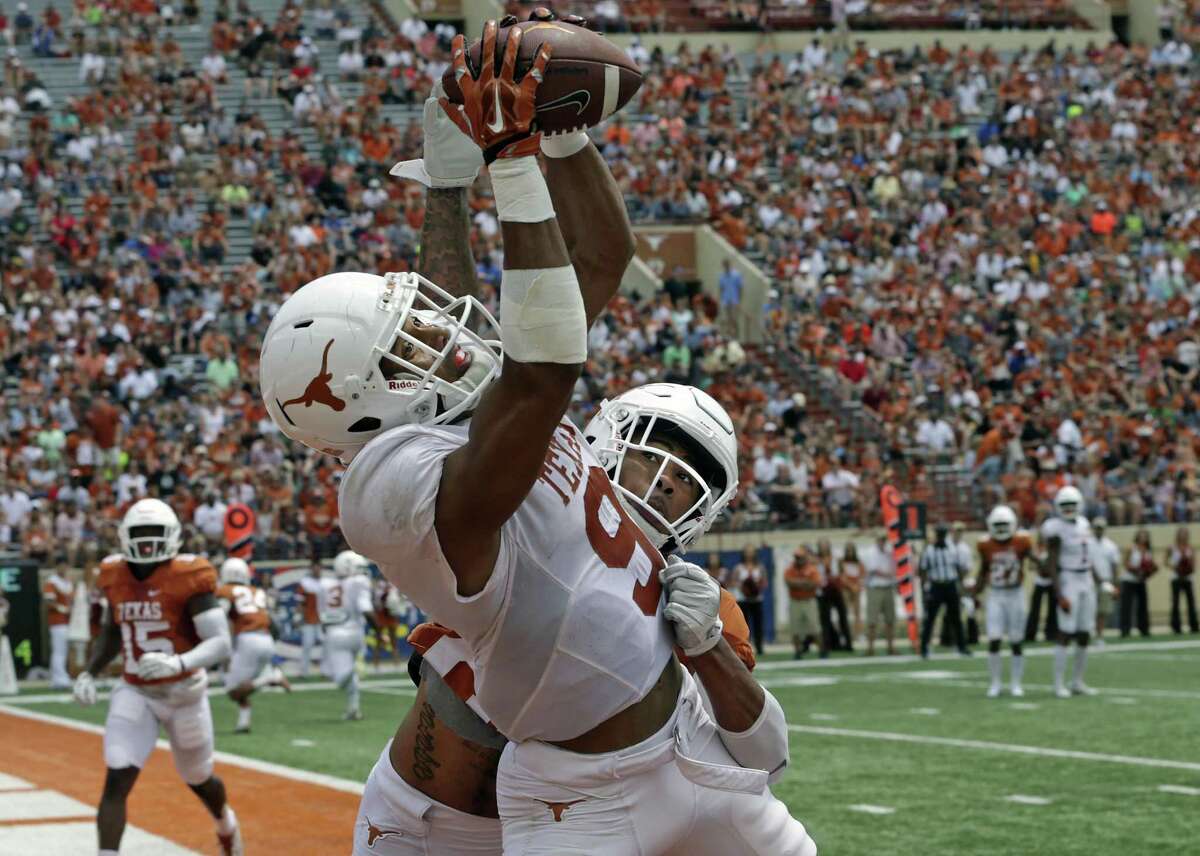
(227, 823)
(1060, 665)
(1080, 663)
(352, 693)
(1018, 669)
(243, 717)
(108, 853)
(994, 667)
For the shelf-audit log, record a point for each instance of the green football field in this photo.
(893, 755)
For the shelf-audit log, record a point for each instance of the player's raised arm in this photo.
(543, 319)
(591, 213)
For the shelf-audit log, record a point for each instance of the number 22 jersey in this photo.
(568, 631)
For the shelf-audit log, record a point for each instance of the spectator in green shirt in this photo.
(677, 360)
(222, 370)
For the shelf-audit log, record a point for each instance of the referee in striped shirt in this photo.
(940, 569)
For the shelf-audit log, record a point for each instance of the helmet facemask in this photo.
(638, 434)
(149, 543)
(419, 299)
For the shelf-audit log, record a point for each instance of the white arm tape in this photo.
(764, 745)
(213, 629)
(564, 145)
(542, 317)
(520, 190)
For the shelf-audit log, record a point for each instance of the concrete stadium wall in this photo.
(711, 251)
(784, 543)
(881, 40)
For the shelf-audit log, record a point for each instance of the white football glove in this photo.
(693, 606)
(452, 159)
(155, 666)
(85, 689)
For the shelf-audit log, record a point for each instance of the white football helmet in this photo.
(160, 534)
(328, 375)
(1068, 502)
(694, 417)
(348, 563)
(1002, 523)
(235, 571)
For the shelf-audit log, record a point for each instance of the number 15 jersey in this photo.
(568, 631)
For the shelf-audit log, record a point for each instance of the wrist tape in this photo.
(542, 316)
(520, 191)
(564, 145)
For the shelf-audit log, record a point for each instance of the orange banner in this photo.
(239, 531)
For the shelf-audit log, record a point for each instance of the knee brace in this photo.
(1016, 649)
(993, 646)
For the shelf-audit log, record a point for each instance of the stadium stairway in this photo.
(60, 77)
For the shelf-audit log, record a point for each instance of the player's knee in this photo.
(1016, 649)
(993, 646)
(119, 782)
(195, 766)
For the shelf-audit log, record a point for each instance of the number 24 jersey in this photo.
(568, 630)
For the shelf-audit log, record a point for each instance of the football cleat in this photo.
(1080, 688)
(352, 715)
(231, 844)
(993, 691)
(1017, 691)
(1062, 692)
(279, 679)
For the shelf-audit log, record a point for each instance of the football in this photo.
(587, 80)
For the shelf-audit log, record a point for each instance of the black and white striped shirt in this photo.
(941, 564)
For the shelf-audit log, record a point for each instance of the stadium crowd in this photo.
(997, 257)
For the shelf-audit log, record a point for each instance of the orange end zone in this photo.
(291, 816)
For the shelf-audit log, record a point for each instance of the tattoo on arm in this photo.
(424, 764)
(446, 256)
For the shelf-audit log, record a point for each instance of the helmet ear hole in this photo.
(367, 423)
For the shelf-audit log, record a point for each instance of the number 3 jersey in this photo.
(152, 613)
(568, 630)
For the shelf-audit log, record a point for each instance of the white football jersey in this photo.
(1077, 549)
(344, 602)
(568, 630)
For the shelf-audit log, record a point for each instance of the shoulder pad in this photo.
(110, 567)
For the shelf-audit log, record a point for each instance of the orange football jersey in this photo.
(248, 608)
(152, 613)
(1004, 561)
(310, 607)
(56, 597)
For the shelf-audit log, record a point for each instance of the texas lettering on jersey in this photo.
(152, 614)
(563, 468)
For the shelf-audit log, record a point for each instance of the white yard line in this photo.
(80, 837)
(866, 808)
(1183, 790)
(988, 746)
(902, 659)
(12, 783)
(334, 782)
(1022, 799)
(215, 690)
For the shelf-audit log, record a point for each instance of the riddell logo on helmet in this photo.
(317, 391)
(402, 385)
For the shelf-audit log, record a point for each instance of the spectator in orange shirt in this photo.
(803, 581)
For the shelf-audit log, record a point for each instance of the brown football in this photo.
(587, 79)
